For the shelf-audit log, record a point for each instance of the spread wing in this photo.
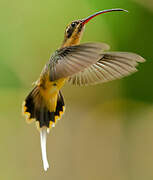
(111, 65)
(70, 60)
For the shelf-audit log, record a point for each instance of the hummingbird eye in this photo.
(71, 28)
(73, 24)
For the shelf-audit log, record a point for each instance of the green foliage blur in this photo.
(107, 130)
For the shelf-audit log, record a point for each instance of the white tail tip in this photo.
(43, 138)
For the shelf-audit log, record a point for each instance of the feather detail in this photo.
(43, 138)
(111, 66)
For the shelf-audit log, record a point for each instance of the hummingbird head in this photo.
(73, 33)
(74, 30)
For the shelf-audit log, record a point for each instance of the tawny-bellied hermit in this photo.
(78, 64)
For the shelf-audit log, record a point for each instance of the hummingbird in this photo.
(77, 64)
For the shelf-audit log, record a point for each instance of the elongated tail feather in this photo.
(43, 138)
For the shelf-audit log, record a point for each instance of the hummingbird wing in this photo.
(111, 65)
(70, 60)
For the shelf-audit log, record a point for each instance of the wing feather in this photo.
(111, 66)
(70, 60)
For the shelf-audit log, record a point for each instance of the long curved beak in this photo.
(86, 20)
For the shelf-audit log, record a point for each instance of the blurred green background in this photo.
(107, 130)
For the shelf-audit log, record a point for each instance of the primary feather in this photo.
(111, 66)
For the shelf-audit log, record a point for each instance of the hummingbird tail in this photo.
(36, 108)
